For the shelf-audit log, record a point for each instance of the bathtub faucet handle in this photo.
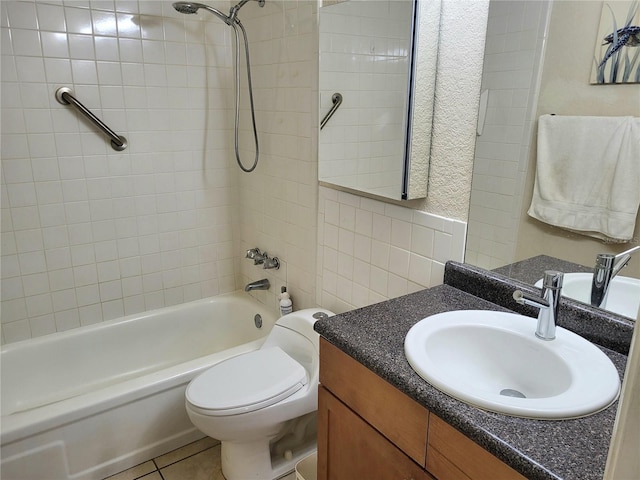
(256, 255)
(253, 253)
(271, 262)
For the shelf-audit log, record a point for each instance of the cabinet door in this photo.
(452, 456)
(349, 448)
(400, 419)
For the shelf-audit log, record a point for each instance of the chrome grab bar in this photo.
(336, 98)
(65, 97)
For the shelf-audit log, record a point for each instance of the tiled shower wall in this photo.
(88, 233)
(515, 38)
(278, 201)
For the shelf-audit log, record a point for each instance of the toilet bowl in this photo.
(262, 405)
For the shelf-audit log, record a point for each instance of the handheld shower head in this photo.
(189, 8)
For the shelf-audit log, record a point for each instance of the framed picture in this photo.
(617, 53)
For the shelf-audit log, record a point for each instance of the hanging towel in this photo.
(588, 175)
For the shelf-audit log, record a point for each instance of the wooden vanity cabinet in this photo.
(353, 449)
(368, 429)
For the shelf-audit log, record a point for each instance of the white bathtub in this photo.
(96, 400)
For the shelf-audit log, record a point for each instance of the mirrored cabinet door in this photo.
(377, 76)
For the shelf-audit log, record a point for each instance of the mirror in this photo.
(521, 82)
(380, 58)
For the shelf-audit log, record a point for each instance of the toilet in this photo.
(262, 405)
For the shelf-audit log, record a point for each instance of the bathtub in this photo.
(96, 400)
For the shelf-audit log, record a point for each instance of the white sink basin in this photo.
(493, 360)
(623, 298)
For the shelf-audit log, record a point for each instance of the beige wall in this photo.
(565, 90)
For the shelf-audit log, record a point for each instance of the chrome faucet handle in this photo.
(260, 258)
(253, 253)
(256, 255)
(623, 258)
(271, 262)
(552, 279)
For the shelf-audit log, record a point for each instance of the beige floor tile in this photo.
(135, 472)
(202, 466)
(152, 476)
(184, 452)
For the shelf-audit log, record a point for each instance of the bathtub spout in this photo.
(258, 285)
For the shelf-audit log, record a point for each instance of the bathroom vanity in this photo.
(379, 419)
(359, 441)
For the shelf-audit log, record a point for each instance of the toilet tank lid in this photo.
(247, 382)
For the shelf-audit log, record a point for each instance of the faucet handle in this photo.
(260, 258)
(253, 253)
(605, 261)
(552, 279)
(271, 262)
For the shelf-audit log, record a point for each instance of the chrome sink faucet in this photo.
(607, 267)
(548, 303)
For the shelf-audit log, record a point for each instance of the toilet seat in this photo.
(246, 383)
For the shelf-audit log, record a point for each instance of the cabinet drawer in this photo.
(349, 448)
(452, 456)
(399, 418)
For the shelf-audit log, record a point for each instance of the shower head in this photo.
(189, 8)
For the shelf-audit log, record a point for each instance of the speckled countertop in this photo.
(532, 269)
(374, 336)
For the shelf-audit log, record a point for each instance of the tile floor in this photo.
(199, 460)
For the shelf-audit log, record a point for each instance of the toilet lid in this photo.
(246, 383)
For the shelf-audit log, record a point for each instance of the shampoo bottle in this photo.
(286, 306)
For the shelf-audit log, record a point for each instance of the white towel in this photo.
(588, 175)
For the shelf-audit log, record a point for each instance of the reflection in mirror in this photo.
(523, 81)
(367, 56)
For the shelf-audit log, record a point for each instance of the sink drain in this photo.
(509, 392)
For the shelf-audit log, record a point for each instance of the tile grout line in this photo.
(158, 469)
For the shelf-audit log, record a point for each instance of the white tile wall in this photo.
(278, 201)
(370, 251)
(90, 234)
(515, 36)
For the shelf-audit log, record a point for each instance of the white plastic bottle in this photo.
(286, 306)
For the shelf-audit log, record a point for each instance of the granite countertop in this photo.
(538, 449)
(532, 269)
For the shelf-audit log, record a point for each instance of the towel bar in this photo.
(65, 97)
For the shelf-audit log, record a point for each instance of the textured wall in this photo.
(460, 56)
(423, 97)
